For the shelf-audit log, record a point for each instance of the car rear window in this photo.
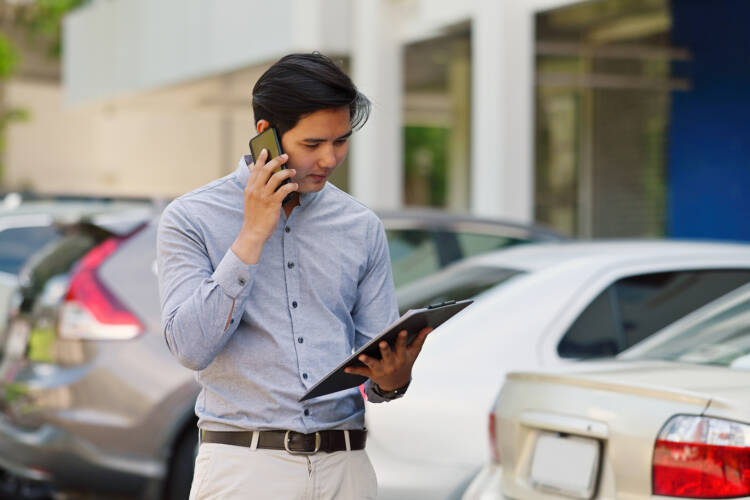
(17, 243)
(634, 307)
(56, 259)
(721, 339)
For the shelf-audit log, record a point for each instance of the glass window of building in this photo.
(603, 92)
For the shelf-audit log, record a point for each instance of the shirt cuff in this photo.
(233, 275)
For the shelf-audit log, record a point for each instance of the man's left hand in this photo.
(393, 370)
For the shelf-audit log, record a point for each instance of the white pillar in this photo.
(376, 159)
(502, 105)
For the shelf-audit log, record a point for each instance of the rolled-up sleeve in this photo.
(200, 306)
(376, 305)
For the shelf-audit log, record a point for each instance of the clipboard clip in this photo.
(442, 304)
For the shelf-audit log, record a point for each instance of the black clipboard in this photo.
(412, 321)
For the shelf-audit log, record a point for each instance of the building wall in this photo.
(118, 50)
(709, 166)
(121, 47)
(156, 144)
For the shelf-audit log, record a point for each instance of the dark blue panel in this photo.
(709, 152)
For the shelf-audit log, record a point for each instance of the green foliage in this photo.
(42, 20)
(41, 345)
(14, 391)
(8, 57)
(425, 162)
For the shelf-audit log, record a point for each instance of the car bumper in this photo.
(50, 454)
(487, 485)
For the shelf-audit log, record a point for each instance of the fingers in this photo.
(284, 191)
(367, 370)
(386, 354)
(401, 342)
(277, 179)
(257, 165)
(416, 346)
(263, 170)
(358, 370)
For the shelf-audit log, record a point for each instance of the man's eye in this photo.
(341, 141)
(311, 146)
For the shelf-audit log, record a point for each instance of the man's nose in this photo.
(327, 156)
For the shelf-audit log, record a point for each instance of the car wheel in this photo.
(181, 466)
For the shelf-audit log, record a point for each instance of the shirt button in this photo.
(294, 304)
(290, 265)
(241, 281)
(304, 376)
(231, 321)
(300, 340)
(286, 229)
(307, 412)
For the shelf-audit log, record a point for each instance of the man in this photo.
(263, 301)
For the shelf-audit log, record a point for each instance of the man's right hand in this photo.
(262, 206)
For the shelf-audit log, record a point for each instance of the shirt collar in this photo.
(242, 174)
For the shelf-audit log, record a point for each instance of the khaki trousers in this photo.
(230, 472)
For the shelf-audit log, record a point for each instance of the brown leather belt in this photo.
(295, 443)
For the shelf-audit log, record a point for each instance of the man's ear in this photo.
(262, 125)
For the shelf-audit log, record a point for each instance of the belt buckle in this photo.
(301, 452)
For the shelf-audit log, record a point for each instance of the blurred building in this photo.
(597, 118)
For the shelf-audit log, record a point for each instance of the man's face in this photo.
(316, 146)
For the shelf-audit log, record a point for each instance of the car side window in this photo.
(635, 307)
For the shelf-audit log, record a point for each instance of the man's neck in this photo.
(289, 206)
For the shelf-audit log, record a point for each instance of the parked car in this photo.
(422, 242)
(541, 305)
(27, 226)
(95, 401)
(670, 418)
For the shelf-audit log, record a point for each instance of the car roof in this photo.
(117, 216)
(425, 218)
(537, 256)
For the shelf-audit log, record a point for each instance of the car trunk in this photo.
(578, 434)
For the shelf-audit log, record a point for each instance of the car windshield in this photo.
(416, 253)
(720, 336)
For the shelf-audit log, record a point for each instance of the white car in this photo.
(670, 418)
(540, 305)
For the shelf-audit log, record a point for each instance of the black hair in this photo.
(299, 84)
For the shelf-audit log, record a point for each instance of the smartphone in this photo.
(269, 140)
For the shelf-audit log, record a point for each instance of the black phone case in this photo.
(269, 139)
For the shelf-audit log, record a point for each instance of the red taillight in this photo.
(493, 439)
(90, 311)
(701, 457)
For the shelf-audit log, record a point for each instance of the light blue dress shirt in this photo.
(260, 336)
